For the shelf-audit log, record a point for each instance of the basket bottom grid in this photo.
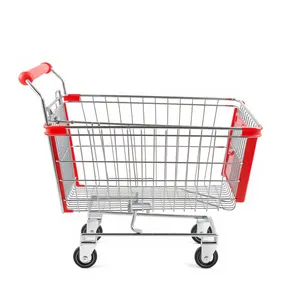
(115, 199)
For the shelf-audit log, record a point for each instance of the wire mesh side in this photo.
(169, 169)
(164, 151)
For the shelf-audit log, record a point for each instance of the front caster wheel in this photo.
(86, 264)
(99, 230)
(194, 230)
(203, 264)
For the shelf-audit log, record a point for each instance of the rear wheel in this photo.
(194, 230)
(99, 230)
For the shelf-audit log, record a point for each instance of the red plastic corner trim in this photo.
(59, 175)
(252, 132)
(246, 169)
(55, 130)
(72, 98)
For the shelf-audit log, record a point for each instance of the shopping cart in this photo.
(147, 156)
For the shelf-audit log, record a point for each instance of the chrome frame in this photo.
(134, 136)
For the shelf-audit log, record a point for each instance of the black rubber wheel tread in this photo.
(202, 264)
(99, 230)
(194, 230)
(79, 263)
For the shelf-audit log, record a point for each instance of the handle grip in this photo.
(43, 68)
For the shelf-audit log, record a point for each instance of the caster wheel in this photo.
(87, 264)
(99, 230)
(194, 230)
(202, 264)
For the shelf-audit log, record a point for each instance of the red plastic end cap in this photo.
(252, 132)
(72, 98)
(49, 66)
(25, 76)
(55, 130)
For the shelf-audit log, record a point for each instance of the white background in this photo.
(243, 49)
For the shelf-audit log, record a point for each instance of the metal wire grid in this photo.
(160, 198)
(147, 152)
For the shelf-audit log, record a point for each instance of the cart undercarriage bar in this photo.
(148, 234)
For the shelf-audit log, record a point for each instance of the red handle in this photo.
(43, 68)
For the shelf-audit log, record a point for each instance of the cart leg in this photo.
(94, 221)
(209, 243)
(85, 256)
(203, 225)
(88, 242)
(93, 224)
(206, 256)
